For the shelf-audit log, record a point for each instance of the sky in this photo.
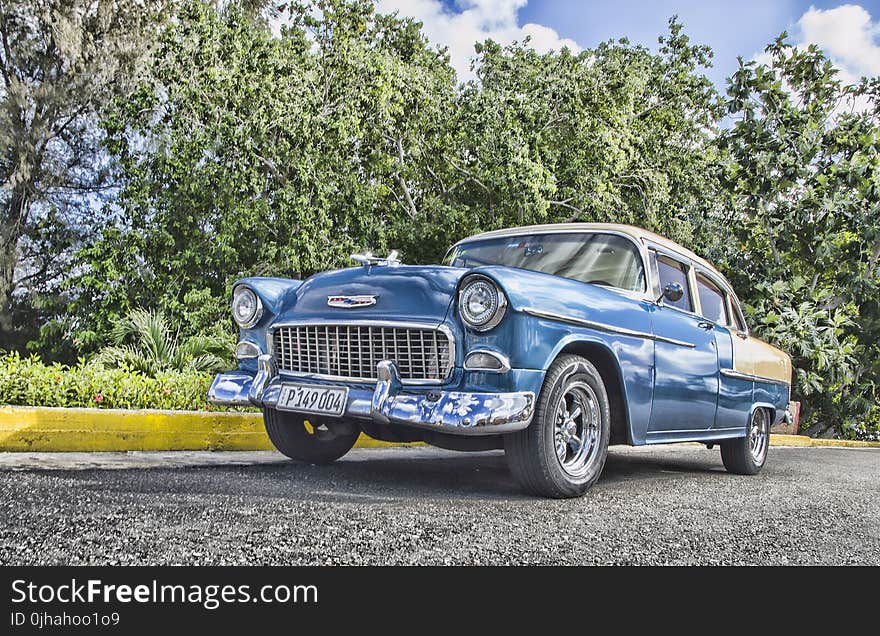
(849, 33)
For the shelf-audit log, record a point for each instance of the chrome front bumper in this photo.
(456, 412)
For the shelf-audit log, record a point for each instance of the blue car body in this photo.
(672, 376)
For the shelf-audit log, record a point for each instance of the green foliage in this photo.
(867, 429)
(268, 155)
(29, 382)
(283, 155)
(802, 170)
(820, 341)
(145, 343)
(616, 133)
(61, 63)
(238, 152)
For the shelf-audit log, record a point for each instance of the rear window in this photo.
(601, 259)
(712, 301)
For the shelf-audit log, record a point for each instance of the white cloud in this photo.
(475, 21)
(847, 34)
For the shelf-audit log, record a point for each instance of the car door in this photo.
(736, 393)
(714, 307)
(685, 355)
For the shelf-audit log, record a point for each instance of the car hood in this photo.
(403, 292)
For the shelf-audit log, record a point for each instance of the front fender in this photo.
(277, 295)
(550, 315)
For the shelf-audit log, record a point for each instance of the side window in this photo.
(738, 323)
(712, 301)
(672, 271)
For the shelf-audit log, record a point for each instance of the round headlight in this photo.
(481, 304)
(246, 307)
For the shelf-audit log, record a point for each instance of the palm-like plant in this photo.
(143, 341)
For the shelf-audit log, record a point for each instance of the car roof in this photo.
(638, 234)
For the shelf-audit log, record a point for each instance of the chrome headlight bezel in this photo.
(246, 350)
(240, 293)
(476, 360)
(490, 317)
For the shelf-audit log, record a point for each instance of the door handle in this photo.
(705, 324)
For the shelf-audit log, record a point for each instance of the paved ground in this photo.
(668, 505)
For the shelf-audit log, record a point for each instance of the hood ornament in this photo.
(367, 259)
(351, 302)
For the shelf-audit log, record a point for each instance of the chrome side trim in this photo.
(690, 430)
(369, 323)
(739, 375)
(600, 326)
(502, 359)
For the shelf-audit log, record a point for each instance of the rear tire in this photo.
(747, 455)
(562, 452)
(318, 443)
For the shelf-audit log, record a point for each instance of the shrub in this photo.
(30, 382)
(144, 341)
(867, 429)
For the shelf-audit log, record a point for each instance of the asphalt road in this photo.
(666, 505)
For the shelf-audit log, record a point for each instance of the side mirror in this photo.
(672, 292)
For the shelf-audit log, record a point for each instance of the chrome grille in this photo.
(351, 352)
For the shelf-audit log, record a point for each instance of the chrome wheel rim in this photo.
(577, 427)
(759, 435)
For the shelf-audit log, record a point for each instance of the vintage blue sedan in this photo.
(550, 342)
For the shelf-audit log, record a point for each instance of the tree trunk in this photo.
(7, 271)
(10, 231)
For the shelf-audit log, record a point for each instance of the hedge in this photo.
(30, 382)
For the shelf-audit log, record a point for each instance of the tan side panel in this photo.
(756, 357)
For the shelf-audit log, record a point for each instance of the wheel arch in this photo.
(606, 362)
(761, 405)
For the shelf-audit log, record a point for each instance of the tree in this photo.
(238, 151)
(283, 155)
(615, 133)
(60, 62)
(802, 169)
(264, 155)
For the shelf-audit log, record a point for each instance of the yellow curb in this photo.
(803, 440)
(46, 429)
(778, 439)
(845, 443)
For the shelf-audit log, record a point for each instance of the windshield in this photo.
(602, 259)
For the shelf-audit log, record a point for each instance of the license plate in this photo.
(324, 400)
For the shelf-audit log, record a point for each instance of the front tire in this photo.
(747, 455)
(318, 442)
(563, 451)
